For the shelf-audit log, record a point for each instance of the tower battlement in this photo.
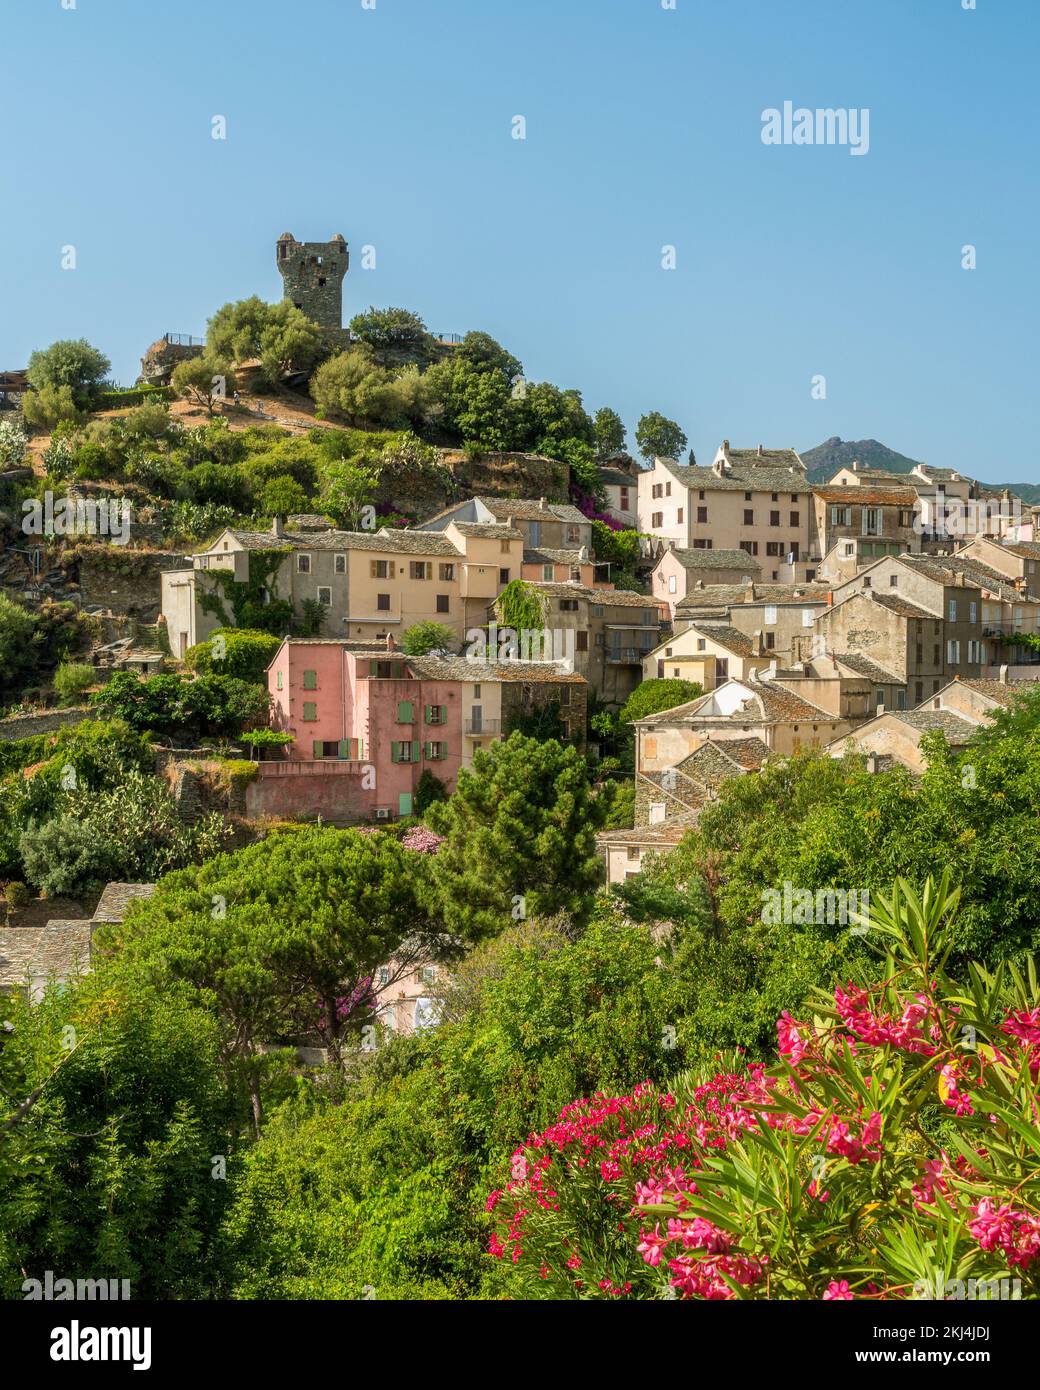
(312, 274)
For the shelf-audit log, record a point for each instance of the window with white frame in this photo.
(953, 652)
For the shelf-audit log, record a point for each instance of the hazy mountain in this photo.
(825, 460)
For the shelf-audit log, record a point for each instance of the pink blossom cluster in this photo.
(879, 1030)
(1016, 1233)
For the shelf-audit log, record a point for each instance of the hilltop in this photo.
(834, 453)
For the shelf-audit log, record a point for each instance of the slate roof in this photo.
(530, 509)
(542, 556)
(977, 575)
(1002, 692)
(777, 470)
(716, 559)
(491, 530)
(1025, 550)
(868, 496)
(779, 705)
(863, 666)
(611, 598)
(60, 949)
(735, 641)
(716, 595)
(956, 728)
(650, 835)
(392, 541)
(895, 603)
(613, 477)
(459, 668)
(117, 897)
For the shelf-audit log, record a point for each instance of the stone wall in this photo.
(29, 725)
(123, 580)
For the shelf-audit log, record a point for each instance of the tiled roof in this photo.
(308, 521)
(1002, 692)
(117, 897)
(956, 728)
(392, 541)
(714, 595)
(778, 704)
(491, 530)
(735, 641)
(541, 556)
(460, 668)
(868, 496)
(895, 603)
(750, 753)
(863, 666)
(716, 560)
(943, 568)
(531, 509)
(1025, 550)
(610, 598)
(60, 949)
(649, 835)
(778, 470)
(613, 477)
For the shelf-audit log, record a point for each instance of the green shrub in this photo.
(71, 679)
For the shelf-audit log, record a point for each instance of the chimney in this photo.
(872, 762)
(881, 708)
(725, 446)
(761, 451)
(583, 554)
(855, 465)
(277, 529)
(541, 503)
(391, 645)
(756, 643)
(1003, 675)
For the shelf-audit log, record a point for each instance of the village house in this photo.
(367, 721)
(781, 617)
(855, 526)
(678, 571)
(626, 852)
(619, 479)
(708, 652)
(608, 631)
(370, 582)
(554, 525)
(1018, 561)
(756, 500)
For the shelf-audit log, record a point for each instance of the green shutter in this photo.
(428, 750)
(395, 752)
(310, 711)
(405, 712)
(360, 750)
(430, 713)
(317, 748)
(404, 804)
(444, 713)
(344, 747)
(415, 751)
(444, 750)
(310, 680)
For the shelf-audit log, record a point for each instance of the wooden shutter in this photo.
(372, 569)
(395, 752)
(344, 747)
(317, 748)
(405, 712)
(415, 751)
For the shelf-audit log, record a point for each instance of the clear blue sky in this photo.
(393, 126)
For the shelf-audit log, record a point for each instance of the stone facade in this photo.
(312, 273)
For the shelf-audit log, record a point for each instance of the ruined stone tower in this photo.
(312, 273)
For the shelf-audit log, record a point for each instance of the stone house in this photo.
(757, 500)
(678, 571)
(608, 632)
(553, 525)
(707, 652)
(620, 482)
(894, 737)
(783, 616)
(863, 523)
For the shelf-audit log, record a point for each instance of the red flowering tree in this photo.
(893, 1151)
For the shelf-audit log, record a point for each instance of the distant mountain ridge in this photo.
(825, 459)
(834, 453)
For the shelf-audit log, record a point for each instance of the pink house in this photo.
(365, 727)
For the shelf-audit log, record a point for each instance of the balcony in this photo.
(626, 656)
(477, 727)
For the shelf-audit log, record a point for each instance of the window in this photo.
(427, 974)
(893, 581)
(568, 605)
(668, 489)
(936, 654)
(750, 546)
(678, 516)
(324, 595)
(749, 516)
(973, 613)
(310, 712)
(341, 564)
(868, 583)
(503, 576)
(548, 573)
(443, 603)
(381, 569)
(872, 521)
(383, 603)
(581, 641)
(770, 641)
(420, 569)
(774, 497)
(633, 852)
(775, 548)
(405, 712)
(447, 572)
(701, 644)
(700, 543)
(850, 548)
(597, 610)
(906, 517)
(655, 491)
(329, 749)
(476, 692)
(384, 976)
(565, 690)
(794, 519)
(436, 714)
(310, 680)
(702, 514)
(901, 698)
(435, 752)
(953, 610)
(700, 495)
(841, 516)
(405, 752)
(747, 496)
(953, 652)
(657, 519)
(770, 614)
(278, 680)
(672, 586)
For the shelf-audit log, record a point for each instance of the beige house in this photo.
(709, 653)
(625, 852)
(555, 525)
(1017, 561)
(894, 737)
(370, 582)
(754, 708)
(783, 616)
(621, 489)
(756, 500)
(865, 522)
(677, 571)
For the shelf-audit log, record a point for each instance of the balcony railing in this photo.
(476, 727)
(626, 656)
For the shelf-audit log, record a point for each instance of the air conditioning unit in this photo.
(382, 813)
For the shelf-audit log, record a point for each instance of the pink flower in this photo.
(651, 1244)
(838, 1291)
